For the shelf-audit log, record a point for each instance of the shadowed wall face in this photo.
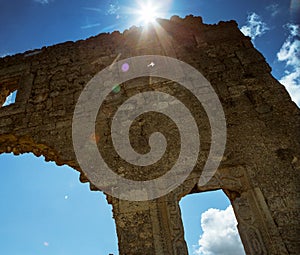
(259, 169)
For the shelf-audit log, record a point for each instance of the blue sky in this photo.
(44, 208)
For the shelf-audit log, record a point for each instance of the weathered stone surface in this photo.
(260, 168)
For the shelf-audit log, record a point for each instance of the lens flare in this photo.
(147, 12)
(295, 10)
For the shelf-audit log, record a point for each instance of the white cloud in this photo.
(255, 26)
(290, 54)
(220, 235)
(91, 25)
(273, 9)
(294, 29)
(2, 55)
(113, 8)
(42, 1)
(291, 81)
(93, 9)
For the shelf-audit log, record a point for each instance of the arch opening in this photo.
(45, 209)
(210, 224)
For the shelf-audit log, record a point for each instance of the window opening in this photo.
(8, 91)
(11, 99)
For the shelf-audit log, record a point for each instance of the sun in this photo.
(147, 13)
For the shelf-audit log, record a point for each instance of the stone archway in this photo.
(260, 167)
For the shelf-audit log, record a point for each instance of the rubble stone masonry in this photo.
(260, 168)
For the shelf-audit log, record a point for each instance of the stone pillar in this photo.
(149, 227)
(256, 226)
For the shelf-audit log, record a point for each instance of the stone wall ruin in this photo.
(259, 171)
